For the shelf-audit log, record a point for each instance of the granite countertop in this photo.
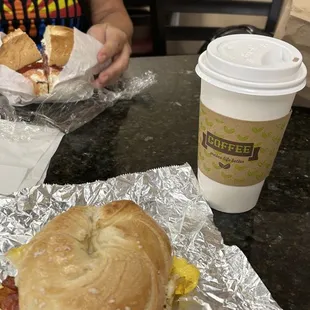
(159, 128)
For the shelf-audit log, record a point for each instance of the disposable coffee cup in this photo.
(248, 85)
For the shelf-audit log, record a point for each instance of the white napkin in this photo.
(25, 154)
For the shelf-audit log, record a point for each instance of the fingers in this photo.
(98, 32)
(114, 71)
(115, 48)
(113, 44)
(109, 50)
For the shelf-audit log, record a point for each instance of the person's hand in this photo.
(116, 47)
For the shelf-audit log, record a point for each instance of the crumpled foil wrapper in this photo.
(171, 196)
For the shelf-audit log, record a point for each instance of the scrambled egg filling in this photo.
(186, 276)
(183, 279)
(15, 254)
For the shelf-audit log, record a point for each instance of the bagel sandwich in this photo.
(111, 257)
(19, 53)
(57, 47)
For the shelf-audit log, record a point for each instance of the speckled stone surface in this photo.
(159, 128)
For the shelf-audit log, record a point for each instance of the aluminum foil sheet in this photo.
(172, 197)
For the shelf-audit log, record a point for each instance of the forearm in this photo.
(114, 13)
(121, 21)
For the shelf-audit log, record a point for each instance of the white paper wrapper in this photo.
(25, 158)
(74, 80)
(171, 196)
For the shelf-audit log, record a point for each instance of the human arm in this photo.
(111, 26)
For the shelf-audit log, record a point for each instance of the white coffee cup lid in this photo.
(253, 64)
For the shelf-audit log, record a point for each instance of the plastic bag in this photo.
(68, 116)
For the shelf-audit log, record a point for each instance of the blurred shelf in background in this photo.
(142, 42)
(155, 23)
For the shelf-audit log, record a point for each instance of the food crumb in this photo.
(38, 253)
(93, 291)
(64, 248)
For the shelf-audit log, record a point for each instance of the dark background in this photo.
(153, 20)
